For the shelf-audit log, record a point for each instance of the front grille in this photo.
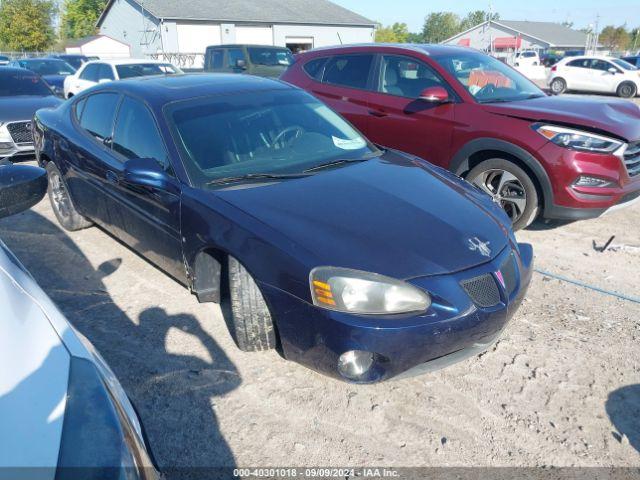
(483, 290)
(632, 159)
(20, 132)
(509, 272)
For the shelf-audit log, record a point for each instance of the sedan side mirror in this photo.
(435, 95)
(148, 172)
(241, 64)
(612, 71)
(21, 187)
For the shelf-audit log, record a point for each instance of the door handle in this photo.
(112, 177)
(378, 113)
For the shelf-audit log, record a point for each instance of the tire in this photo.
(251, 325)
(558, 86)
(61, 203)
(510, 186)
(626, 90)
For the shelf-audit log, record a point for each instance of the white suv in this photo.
(527, 58)
(595, 74)
(92, 73)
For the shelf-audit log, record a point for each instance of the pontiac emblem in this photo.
(475, 244)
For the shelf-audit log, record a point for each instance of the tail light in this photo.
(554, 68)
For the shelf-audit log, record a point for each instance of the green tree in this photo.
(26, 24)
(476, 18)
(439, 26)
(615, 38)
(396, 33)
(80, 16)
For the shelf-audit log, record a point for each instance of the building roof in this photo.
(319, 12)
(553, 34)
(79, 42)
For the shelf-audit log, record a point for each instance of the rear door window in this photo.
(582, 63)
(98, 113)
(348, 71)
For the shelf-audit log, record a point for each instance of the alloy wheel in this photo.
(60, 195)
(505, 189)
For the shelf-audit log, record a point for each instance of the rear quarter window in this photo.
(313, 68)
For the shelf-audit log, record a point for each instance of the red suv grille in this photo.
(632, 159)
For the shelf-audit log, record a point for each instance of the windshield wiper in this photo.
(254, 176)
(322, 166)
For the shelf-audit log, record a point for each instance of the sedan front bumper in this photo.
(453, 328)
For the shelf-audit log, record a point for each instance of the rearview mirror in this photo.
(21, 187)
(435, 95)
(148, 172)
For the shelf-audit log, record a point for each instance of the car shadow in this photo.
(541, 225)
(623, 408)
(172, 392)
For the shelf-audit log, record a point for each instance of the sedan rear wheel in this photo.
(510, 186)
(61, 202)
(558, 86)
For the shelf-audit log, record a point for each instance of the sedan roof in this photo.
(162, 89)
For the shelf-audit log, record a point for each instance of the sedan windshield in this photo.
(49, 67)
(276, 132)
(270, 56)
(488, 79)
(145, 69)
(14, 83)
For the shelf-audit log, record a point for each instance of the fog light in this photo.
(355, 364)
(587, 181)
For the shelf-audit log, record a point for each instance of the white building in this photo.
(101, 46)
(187, 27)
(506, 36)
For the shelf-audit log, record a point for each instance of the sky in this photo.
(581, 12)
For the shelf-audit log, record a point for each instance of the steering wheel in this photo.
(294, 131)
(488, 89)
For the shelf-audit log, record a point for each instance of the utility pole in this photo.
(490, 31)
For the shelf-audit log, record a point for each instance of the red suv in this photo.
(558, 157)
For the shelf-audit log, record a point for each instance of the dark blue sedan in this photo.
(357, 262)
(52, 71)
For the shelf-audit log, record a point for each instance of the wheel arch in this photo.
(482, 149)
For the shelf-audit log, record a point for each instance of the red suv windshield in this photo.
(488, 80)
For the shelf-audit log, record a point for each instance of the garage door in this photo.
(195, 38)
(254, 35)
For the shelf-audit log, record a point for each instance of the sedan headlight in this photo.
(354, 291)
(578, 139)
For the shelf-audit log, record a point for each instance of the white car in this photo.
(63, 413)
(100, 71)
(526, 58)
(595, 74)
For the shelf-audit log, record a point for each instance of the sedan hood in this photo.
(390, 215)
(618, 117)
(24, 107)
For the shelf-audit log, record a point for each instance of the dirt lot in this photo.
(562, 387)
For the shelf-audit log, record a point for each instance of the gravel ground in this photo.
(562, 386)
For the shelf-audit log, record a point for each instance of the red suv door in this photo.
(400, 119)
(342, 83)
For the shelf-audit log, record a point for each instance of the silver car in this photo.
(63, 413)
